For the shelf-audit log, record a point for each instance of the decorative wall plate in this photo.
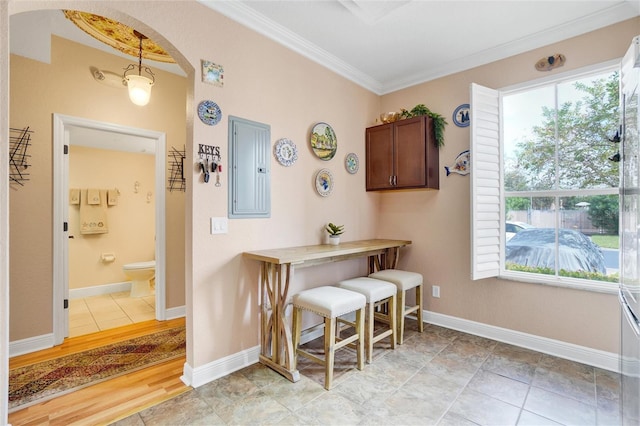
(461, 116)
(323, 141)
(209, 113)
(351, 163)
(324, 182)
(286, 152)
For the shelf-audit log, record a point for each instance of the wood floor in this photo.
(108, 401)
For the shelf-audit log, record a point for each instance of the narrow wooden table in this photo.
(276, 347)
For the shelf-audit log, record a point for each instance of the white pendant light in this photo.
(139, 86)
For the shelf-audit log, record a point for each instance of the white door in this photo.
(63, 127)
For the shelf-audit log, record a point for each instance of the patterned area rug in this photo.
(46, 380)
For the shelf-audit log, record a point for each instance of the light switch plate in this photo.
(219, 225)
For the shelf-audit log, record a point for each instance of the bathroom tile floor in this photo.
(97, 313)
(439, 377)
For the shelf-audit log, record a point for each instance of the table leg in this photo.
(388, 259)
(392, 256)
(276, 340)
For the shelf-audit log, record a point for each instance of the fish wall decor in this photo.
(462, 165)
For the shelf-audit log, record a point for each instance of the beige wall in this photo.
(439, 222)
(66, 86)
(267, 83)
(131, 236)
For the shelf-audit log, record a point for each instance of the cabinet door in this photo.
(410, 153)
(379, 152)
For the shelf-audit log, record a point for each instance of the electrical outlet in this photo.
(435, 291)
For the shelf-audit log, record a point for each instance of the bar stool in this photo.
(329, 302)
(377, 293)
(404, 281)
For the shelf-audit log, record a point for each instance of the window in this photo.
(545, 181)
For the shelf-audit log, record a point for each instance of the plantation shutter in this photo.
(485, 182)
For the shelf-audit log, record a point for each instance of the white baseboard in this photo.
(173, 313)
(31, 344)
(99, 290)
(594, 357)
(199, 376)
(225, 366)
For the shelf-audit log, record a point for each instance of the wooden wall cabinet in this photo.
(402, 155)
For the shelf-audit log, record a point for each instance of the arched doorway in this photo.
(4, 205)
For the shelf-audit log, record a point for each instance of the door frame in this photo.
(61, 125)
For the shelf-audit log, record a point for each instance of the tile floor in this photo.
(97, 313)
(439, 377)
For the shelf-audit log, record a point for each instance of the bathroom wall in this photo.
(131, 223)
(66, 86)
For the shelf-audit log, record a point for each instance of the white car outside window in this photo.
(512, 228)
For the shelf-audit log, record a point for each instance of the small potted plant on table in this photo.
(334, 233)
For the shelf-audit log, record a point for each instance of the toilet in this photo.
(140, 274)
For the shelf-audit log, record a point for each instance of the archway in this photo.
(19, 7)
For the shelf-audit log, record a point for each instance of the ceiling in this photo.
(381, 45)
(389, 45)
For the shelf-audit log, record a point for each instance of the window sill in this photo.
(565, 282)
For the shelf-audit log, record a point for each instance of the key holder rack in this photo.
(19, 143)
(210, 162)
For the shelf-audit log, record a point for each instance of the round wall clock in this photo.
(286, 152)
(461, 116)
(323, 141)
(209, 113)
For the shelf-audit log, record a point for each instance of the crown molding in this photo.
(614, 14)
(247, 16)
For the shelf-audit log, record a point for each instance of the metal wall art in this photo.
(176, 170)
(19, 143)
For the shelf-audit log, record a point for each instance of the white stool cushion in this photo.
(329, 301)
(373, 290)
(404, 280)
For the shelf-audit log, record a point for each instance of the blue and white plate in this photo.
(351, 163)
(209, 113)
(324, 182)
(461, 116)
(286, 152)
